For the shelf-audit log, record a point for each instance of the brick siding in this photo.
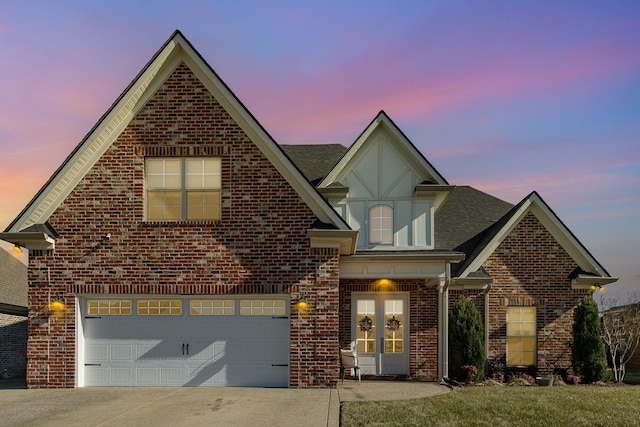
(258, 246)
(530, 268)
(423, 322)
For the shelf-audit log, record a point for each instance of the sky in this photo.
(506, 96)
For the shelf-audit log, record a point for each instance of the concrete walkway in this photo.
(196, 406)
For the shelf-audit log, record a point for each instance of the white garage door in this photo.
(196, 341)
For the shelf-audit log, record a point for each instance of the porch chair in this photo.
(349, 360)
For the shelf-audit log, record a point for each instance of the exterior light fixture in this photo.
(17, 249)
(303, 299)
(58, 305)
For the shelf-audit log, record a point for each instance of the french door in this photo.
(380, 332)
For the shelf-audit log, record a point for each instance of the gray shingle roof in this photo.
(315, 161)
(13, 280)
(460, 224)
(464, 218)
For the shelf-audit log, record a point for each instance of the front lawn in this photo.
(505, 406)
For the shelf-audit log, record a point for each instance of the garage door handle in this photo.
(279, 317)
(187, 349)
(183, 348)
(93, 317)
(277, 364)
(92, 364)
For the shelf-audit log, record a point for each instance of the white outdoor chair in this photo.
(349, 360)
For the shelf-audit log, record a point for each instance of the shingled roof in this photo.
(315, 161)
(460, 224)
(465, 216)
(13, 285)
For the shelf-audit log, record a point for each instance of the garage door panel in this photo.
(206, 349)
(160, 350)
(97, 375)
(147, 376)
(121, 375)
(121, 352)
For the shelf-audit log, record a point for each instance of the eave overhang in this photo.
(344, 240)
(31, 240)
(452, 257)
(439, 193)
(334, 191)
(482, 283)
(586, 281)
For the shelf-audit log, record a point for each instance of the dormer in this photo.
(384, 187)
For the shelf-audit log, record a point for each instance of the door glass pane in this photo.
(394, 326)
(366, 326)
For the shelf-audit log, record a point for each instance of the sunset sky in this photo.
(505, 96)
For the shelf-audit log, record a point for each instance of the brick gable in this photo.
(530, 268)
(259, 245)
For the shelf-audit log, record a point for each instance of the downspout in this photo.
(444, 323)
(486, 321)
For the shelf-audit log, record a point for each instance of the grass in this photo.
(505, 406)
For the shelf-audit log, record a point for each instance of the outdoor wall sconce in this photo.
(303, 299)
(600, 288)
(303, 303)
(57, 305)
(17, 249)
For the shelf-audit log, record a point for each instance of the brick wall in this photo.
(13, 345)
(423, 322)
(530, 268)
(258, 246)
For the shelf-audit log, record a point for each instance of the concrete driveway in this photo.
(205, 406)
(170, 407)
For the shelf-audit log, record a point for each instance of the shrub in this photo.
(573, 379)
(498, 376)
(466, 338)
(468, 373)
(589, 357)
(529, 378)
(496, 371)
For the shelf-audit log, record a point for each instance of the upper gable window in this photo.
(183, 189)
(381, 225)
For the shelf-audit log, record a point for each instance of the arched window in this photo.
(381, 225)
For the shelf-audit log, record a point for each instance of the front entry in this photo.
(380, 332)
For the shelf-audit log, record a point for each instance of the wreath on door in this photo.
(393, 323)
(365, 324)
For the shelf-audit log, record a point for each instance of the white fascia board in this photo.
(114, 122)
(92, 147)
(30, 240)
(584, 281)
(556, 228)
(496, 241)
(262, 139)
(382, 120)
(345, 240)
(565, 238)
(332, 176)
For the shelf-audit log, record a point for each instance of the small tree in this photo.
(621, 333)
(589, 357)
(466, 338)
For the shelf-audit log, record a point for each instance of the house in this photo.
(13, 313)
(620, 331)
(180, 245)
